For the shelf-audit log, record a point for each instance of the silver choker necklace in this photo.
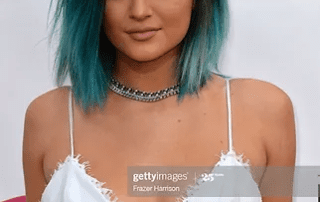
(138, 95)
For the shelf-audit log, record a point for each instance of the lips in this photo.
(143, 36)
(142, 30)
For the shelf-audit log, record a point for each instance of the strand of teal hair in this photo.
(91, 74)
(194, 78)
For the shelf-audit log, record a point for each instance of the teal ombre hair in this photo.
(85, 53)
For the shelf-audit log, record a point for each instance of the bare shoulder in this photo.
(274, 110)
(49, 98)
(47, 101)
(44, 111)
(257, 91)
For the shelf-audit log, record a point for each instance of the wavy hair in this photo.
(85, 53)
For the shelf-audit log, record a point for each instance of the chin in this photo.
(143, 56)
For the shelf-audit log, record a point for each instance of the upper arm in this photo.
(281, 150)
(39, 119)
(34, 145)
(279, 138)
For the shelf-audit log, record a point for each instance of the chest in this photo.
(193, 135)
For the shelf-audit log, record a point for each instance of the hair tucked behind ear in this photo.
(85, 53)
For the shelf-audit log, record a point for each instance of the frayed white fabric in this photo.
(71, 183)
(231, 183)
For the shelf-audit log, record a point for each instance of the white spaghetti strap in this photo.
(71, 122)
(229, 115)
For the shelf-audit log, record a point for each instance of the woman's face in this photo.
(170, 20)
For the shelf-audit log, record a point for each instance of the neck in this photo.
(149, 76)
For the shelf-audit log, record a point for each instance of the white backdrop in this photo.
(273, 40)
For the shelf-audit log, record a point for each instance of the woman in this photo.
(147, 45)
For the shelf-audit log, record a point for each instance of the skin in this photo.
(131, 133)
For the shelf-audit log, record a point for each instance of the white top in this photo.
(71, 183)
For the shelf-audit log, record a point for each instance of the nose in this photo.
(140, 9)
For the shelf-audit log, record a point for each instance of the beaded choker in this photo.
(138, 95)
